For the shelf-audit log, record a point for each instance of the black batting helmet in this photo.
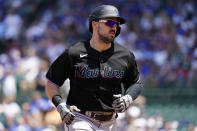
(105, 11)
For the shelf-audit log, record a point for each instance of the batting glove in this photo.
(66, 114)
(121, 103)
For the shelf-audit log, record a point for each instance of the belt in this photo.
(100, 116)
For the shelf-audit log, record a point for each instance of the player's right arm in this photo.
(56, 75)
(52, 91)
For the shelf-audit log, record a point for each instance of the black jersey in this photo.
(94, 76)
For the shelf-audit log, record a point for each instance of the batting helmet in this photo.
(105, 11)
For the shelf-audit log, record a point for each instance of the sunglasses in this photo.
(110, 23)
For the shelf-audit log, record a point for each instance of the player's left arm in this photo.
(132, 85)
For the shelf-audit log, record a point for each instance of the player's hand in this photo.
(66, 113)
(121, 103)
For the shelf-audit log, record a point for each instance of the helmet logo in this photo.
(116, 11)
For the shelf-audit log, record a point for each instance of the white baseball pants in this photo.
(84, 123)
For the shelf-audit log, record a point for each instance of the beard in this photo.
(106, 38)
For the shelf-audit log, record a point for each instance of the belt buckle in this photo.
(90, 114)
(93, 115)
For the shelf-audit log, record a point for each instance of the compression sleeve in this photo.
(134, 90)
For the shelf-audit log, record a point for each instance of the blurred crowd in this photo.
(161, 33)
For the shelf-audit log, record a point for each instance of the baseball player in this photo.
(104, 79)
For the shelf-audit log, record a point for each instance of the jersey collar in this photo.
(105, 52)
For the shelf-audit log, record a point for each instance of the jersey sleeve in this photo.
(132, 74)
(59, 70)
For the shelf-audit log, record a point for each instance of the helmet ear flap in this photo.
(118, 31)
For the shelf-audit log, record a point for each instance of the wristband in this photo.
(56, 99)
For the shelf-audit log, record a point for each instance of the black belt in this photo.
(100, 116)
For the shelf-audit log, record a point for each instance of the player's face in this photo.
(107, 29)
